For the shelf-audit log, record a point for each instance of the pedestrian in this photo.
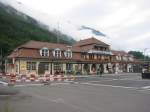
(101, 70)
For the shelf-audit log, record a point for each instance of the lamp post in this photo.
(144, 53)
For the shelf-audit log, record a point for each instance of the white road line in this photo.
(51, 84)
(23, 85)
(57, 100)
(4, 83)
(146, 87)
(110, 86)
(60, 83)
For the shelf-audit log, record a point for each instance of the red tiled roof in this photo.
(121, 53)
(31, 48)
(39, 45)
(34, 53)
(90, 41)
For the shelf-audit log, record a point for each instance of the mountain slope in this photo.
(17, 28)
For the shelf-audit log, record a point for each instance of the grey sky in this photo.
(126, 22)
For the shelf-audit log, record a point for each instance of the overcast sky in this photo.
(125, 22)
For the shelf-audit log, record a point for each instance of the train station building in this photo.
(88, 56)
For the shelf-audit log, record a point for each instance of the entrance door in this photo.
(93, 68)
(86, 68)
(43, 66)
(58, 68)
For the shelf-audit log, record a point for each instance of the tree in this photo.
(138, 55)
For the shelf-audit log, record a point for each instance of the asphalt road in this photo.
(109, 93)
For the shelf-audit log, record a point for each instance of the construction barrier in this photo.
(47, 77)
(12, 79)
(7, 74)
(1, 75)
(59, 78)
(32, 77)
(51, 78)
(72, 78)
(21, 78)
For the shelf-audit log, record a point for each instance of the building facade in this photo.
(89, 56)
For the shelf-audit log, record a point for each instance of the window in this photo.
(57, 67)
(46, 66)
(31, 65)
(44, 52)
(91, 56)
(16, 68)
(57, 53)
(69, 66)
(68, 54)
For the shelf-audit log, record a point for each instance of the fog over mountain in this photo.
(125, 22)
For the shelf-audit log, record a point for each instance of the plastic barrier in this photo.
(51, 77)
(59, 78)
(47, 77)
(1, 75)
(23, 78)
(12, 79)
(32, 77)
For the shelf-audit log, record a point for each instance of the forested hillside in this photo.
(17, 28)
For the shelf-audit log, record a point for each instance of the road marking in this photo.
(146, 87)
(51, 84)
(57, 100)
(23, 85)
(60, 83)
(94, 81)
(4, 83)
(110, 86)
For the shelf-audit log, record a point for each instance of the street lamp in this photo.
(144, 53)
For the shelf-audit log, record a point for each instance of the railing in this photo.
(100, 52)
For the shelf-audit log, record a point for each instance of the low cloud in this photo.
(125, 22)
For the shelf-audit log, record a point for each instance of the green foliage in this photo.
(16, 29)
(138, 55)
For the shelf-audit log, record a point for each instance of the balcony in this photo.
(99, 52)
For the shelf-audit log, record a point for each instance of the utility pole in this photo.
(145, 58)
(58, 33)
(145, 53)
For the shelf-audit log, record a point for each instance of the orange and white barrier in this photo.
(47, 77)
(32, 77)
(66, 78)
(12, 78)
(22, 78)
(1, 74)
(59, 78)
(72, 78)
(51, 77)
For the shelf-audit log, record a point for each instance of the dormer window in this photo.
(44, 51)
(57, 53)
(68, 53)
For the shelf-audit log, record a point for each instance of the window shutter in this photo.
(65, 54)
(41, 52)
(60, 52)
(53, 53)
